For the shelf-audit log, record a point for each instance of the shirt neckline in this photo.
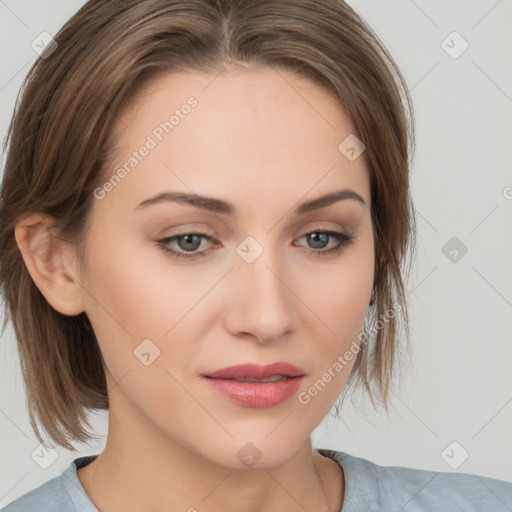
(354, 500)
(360, 480)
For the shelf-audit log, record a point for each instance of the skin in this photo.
(264, 141)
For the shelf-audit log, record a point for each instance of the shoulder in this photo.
(48, 497)
(64, 493)
(415, 490)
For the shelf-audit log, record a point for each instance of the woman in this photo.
(206, 219)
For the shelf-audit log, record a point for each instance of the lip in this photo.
(256, 371)
(256, 394)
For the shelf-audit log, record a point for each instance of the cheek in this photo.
(136, 288)
(139, 296)
(344, 298)
(341, 306)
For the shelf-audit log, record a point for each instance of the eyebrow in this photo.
(223, 207)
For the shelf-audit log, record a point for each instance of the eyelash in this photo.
(344, 241)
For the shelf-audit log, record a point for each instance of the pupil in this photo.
(188, 239)
(319, 236)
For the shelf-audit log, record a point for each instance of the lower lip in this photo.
(256, 394)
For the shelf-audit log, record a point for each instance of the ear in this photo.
(48, 261)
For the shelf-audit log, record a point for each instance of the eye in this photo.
(186, 242)
(319, 238)
(190, 242)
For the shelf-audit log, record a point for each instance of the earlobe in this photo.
(46, 259)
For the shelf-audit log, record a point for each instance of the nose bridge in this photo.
(262, 301)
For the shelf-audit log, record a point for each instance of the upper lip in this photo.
(256, 371)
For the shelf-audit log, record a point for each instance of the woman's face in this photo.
(264, 285)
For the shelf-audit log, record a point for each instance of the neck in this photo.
(142, 469)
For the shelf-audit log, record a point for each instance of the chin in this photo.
(249, 451)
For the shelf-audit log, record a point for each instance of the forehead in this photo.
(233, 134)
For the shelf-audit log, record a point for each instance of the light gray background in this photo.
(458, 387)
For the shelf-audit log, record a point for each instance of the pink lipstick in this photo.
(252, 385)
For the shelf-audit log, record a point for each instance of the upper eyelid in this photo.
(215, 237)
(314, 228)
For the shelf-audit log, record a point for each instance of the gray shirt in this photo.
(368, 487)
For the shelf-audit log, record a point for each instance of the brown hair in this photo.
(58, 146)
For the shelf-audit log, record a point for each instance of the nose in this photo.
(261, 299)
